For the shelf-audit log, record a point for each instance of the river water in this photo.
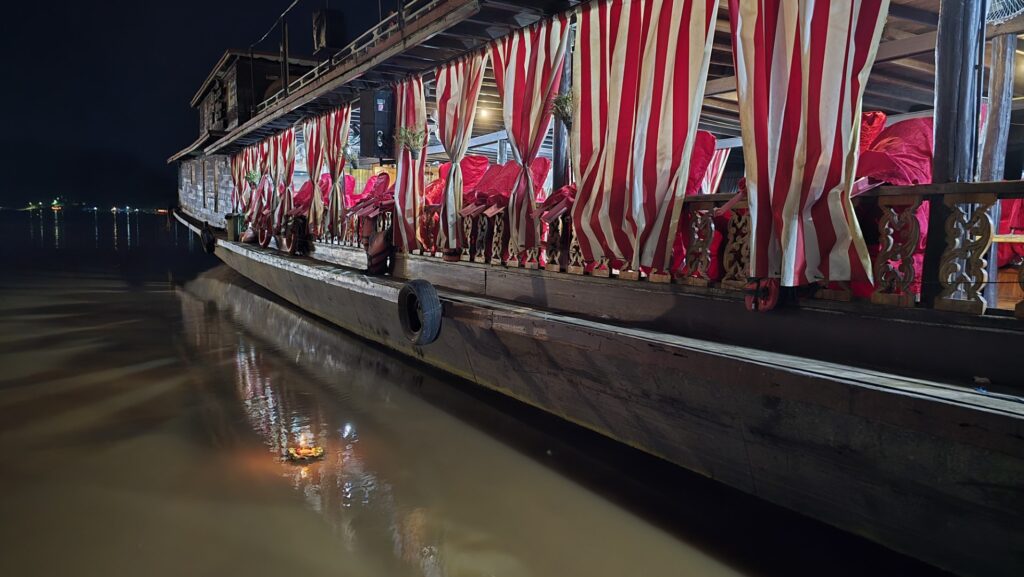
(147, 394)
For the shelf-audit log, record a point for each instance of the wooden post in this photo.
(959, 55)
(284, 56)
(997, 132)
(560, 146)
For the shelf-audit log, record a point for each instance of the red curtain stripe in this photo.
(458, 89)
(801, 67)
(410, 105)
(528, 69)
(336, 127)
(312, 136)
(640, 68)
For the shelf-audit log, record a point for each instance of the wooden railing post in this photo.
(899, 233)
(468, 248)
(498, 243)
(576, 264)
(963, 271)
(553, 246)
(737, 249)
(699, 236)
(959, 62)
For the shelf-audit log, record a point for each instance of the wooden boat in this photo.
(896, 416)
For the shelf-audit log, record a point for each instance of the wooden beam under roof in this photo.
(894, 50)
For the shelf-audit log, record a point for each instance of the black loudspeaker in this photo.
(377, 124)
(328, 31)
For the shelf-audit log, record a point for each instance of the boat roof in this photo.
(437, 31)
(233, 53)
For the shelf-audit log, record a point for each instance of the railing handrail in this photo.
(411, 11)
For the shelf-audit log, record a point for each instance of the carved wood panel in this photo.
(737, 251)
(899, 234)
(963, 269)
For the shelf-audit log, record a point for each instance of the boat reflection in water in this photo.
(423, 476)
(401, 474)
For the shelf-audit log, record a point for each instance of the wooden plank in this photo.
(1003, 189)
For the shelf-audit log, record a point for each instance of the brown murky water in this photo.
(144, 409)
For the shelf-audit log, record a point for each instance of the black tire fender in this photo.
(209, 241)
(420, 312)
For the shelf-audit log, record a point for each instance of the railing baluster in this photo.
(481, 238)
(553, 247)
(576, 264)
(468, 250)
(497, 236)
(512, 261)
(737, 250)
(963, 269)
(899, 234)
(700, 234)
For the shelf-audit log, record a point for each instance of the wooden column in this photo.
(284, 57)
(959, 55)
(997, 131)
(560, 147)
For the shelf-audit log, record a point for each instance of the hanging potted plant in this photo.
(562, 107)
(252, 177)
(411, 139)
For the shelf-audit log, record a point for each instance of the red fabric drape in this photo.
(410, 105)
(238, 180)
(336, 127)
(458, 88)
(900, 155)
(528, 69)
(313, 137)
(640, 68)
(801, 67)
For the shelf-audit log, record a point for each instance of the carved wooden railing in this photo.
(968, 231)
(960, 278)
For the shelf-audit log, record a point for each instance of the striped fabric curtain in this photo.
(458, 88)
(286, 157)
(274, 200)
(528, 70)
(238, 179)
(640, 68)
(336, 125)
(411, 110)
(801, 67)
(716, 168)
(313, 137)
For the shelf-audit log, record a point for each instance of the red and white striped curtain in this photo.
(313, 137)
(716, 168)
(336, 126)
(263, 194)
(528, 70)
(458, 89)
(238, 179)
(801, 67)
(640, 68)
(286, 170)
(411, 110)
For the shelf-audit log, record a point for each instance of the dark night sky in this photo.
(96, 94)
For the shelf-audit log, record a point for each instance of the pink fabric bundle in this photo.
(900, 155)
